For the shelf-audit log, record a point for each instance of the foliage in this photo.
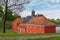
(0, 24)
(1, 11)
(57, 21)
(16, 16)
(11, 17)
(17, 5)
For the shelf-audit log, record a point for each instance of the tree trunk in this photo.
(5, 16)
(3, 25)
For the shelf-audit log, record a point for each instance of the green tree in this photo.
(1, 11)
(57, 19)
(16, 5)
(53, 20)
(11, 17)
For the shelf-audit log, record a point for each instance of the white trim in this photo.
(40, 27)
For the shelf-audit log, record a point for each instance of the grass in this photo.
(53, 38)
(12, 35)
(10, 32)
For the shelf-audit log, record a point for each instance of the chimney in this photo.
(33, 13)
(39, 15)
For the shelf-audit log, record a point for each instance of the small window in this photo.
(27, 30)
(40, 27)
(20, 30)
(24, 30)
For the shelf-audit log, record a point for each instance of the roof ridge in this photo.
(40, 20)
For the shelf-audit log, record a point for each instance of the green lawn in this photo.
(12, 35)
(10, 32)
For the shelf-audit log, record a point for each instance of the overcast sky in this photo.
(49, 8)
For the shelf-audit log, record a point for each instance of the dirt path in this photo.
(27, 37)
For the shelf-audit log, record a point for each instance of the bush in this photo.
(8, 24)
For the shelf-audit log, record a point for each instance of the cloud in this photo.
(44, 5)
(33, 3)
(49, 8)
(47, 13)
(25, 13)
(50, 13)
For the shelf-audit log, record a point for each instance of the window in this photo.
(40, 27)
(30, 26)
(24, 30)
(20, 29)
(27, 30)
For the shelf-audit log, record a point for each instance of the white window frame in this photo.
(40, 27)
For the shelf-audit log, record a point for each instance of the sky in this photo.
(49, 8)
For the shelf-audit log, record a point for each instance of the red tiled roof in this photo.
(20, 20)
(22, 25)
(41, 20)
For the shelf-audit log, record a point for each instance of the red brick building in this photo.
(35, 24)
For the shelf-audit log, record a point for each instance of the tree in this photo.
(57, 19)
(1, 11)
(16, 5)
(9, 17)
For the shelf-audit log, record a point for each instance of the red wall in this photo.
(34, 29)
(14, 26)
(50, 29)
